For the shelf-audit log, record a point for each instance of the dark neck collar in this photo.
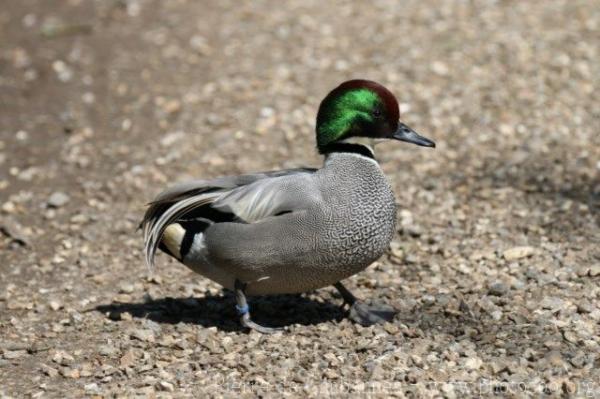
(348, 148)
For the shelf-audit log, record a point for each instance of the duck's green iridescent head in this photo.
(361, 108)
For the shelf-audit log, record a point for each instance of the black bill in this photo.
(404, 133)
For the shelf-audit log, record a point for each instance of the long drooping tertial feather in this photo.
(154, 228)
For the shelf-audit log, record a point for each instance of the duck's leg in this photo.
(362, 313)
(244, 311)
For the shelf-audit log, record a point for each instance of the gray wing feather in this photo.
(183, 190)
(259, 200)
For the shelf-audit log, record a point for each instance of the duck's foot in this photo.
(363, 314)
(244, 311)
(248, 323)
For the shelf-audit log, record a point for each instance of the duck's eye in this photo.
(377, 113)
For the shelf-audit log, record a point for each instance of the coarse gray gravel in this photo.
(495, 269)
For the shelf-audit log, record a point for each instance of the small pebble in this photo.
(165, 386)
(498, 289)
(517, 253)
(58, 199)
(54, 305)
(143, 335)
(107, 350)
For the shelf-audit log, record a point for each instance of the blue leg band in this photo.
(242, 310)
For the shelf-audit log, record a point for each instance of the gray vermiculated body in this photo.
(347, 224)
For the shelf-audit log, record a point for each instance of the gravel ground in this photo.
(495, 269)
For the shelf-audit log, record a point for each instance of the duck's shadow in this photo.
(219, 311)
